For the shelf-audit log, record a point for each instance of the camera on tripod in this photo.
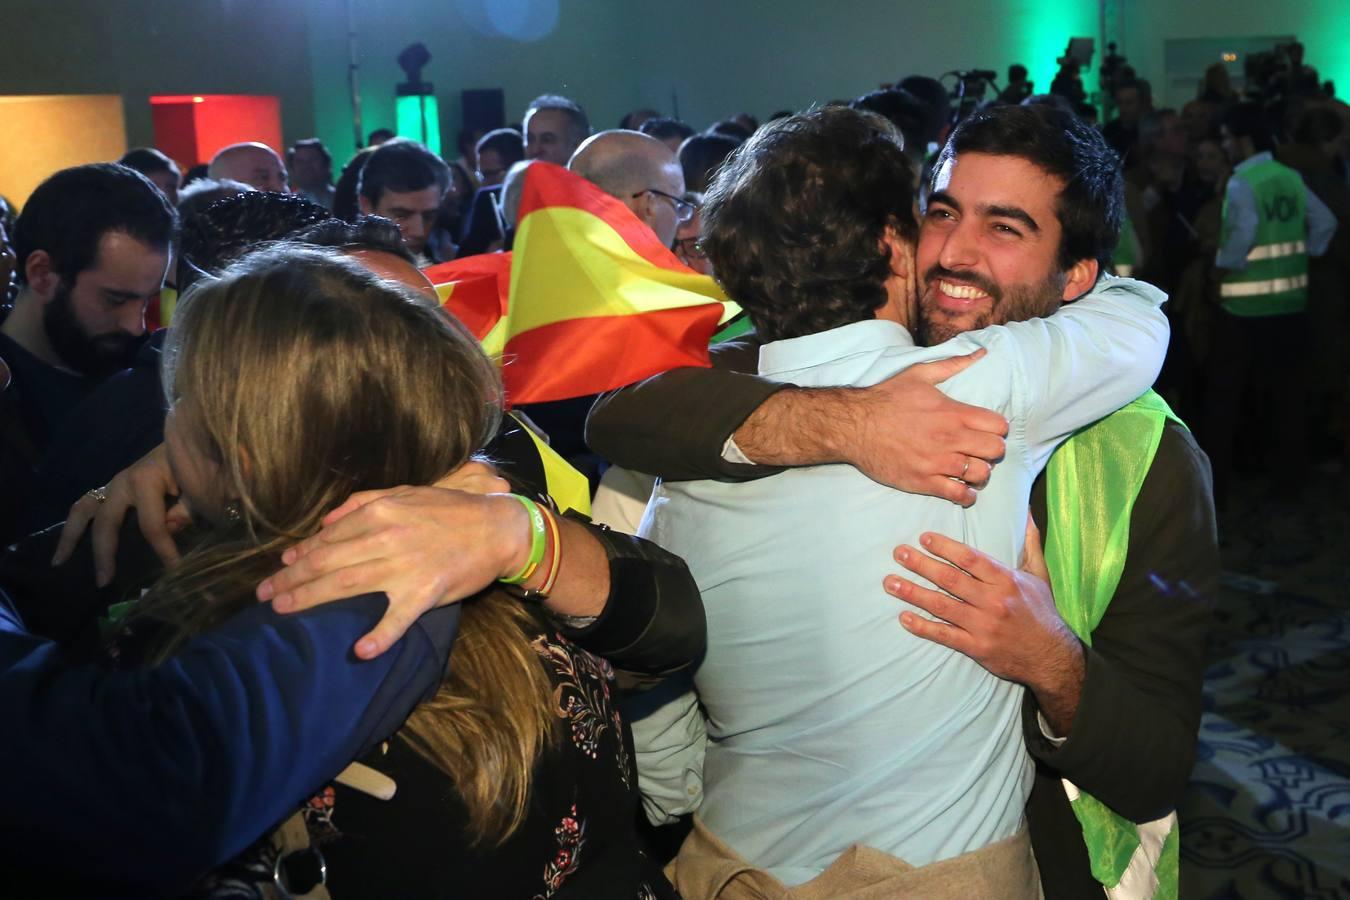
(969, 93)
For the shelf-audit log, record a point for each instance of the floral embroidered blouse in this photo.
(577, 841)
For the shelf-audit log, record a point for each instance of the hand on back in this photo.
(422, 546)
(911, 436)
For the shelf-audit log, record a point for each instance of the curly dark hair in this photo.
(231, 227)
(366, 233)
(795, 219)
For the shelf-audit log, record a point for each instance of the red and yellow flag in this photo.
(594, 302)
(474, 289)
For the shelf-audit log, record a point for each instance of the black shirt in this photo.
(483, 227)
(577, 839)
(36, 403)
(48, 393)
(112, 427)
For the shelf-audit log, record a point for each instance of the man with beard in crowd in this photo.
(92, 249)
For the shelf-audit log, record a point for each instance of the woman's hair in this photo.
(306, 378)
(491, 718)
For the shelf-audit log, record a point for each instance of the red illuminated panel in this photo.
(192, 127)
(176, 132)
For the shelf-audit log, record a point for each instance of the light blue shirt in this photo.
(1243, 218)
(827, 724)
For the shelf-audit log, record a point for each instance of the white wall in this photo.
(147, 47)
(720, 56)
(1322, 25)
(762, 56)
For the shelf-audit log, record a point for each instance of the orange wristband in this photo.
(555, 564)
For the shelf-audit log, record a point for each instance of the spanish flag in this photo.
(594, 302)
(474, 289)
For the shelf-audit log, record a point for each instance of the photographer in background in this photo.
(1019, 88)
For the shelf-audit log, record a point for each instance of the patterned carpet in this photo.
(1267, 814)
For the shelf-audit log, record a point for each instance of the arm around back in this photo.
(653, 621)
(1086, 361)
(676, 424)
(150, 777)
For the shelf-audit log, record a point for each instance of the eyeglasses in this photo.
(684, 210)
(690, 248)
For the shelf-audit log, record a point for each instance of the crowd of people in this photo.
(1190, 188)
(903, 595)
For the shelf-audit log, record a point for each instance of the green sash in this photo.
(1092, 482)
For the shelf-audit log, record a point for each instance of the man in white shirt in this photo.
(828, 729)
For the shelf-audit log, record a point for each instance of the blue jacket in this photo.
(164, 772)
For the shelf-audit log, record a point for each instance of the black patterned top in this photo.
(577, 840)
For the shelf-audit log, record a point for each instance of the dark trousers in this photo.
(1256, 389)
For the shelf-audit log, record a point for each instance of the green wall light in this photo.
(418, 116)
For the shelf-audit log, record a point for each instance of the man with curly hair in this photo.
(838, 749)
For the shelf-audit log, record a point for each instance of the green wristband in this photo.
(538, 542)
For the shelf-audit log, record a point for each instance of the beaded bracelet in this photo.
(538, 542)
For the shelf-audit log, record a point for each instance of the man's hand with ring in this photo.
(912, 436)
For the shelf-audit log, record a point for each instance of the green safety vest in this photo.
(1126, 258)
(1275, 282)
(1092, 481)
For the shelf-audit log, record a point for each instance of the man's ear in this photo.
(1080, 278)
(644, 207)
(902, 252)
(42, 279)
(363, 202)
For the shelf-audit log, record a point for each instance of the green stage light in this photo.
(418, 116)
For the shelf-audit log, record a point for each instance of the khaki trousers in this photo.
(707, 869)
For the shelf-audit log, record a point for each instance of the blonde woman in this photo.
(293, 381)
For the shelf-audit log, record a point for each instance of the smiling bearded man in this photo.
(1011, 265)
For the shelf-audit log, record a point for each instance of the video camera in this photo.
(1068, 82)
(969, 92)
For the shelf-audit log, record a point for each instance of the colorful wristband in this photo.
(555, 561)
(538, 541)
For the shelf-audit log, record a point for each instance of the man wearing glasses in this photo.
(686, 245)
(642, 173)
(497, 152)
